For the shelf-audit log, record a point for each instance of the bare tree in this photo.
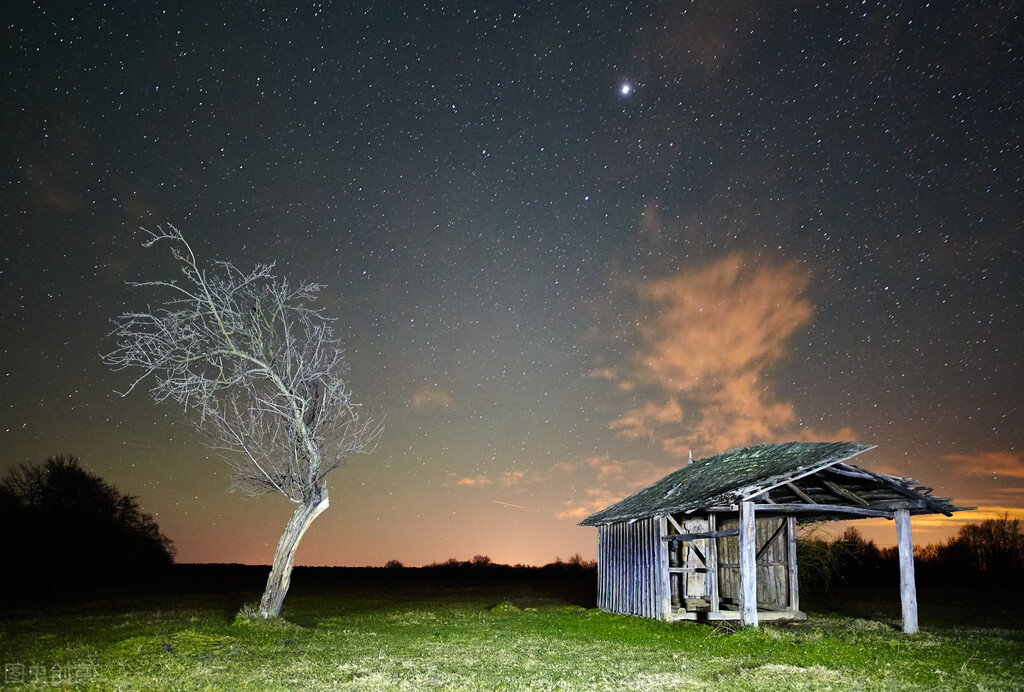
(256, 366)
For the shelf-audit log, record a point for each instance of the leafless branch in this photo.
(255, 364)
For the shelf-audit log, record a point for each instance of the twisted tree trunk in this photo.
(284, 558)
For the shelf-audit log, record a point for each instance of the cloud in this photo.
(594, 500)
(731, 318)
(604, 373)
(706, 340)
(509, 479)
(605, 481)
(476, 480)
(612, 375)
(646, 420)
(994, 464)
(576, 488)
(431, 398)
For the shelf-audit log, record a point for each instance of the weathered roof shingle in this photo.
(746, 472)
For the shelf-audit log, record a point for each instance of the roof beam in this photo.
(844, 493)
(697, 536)
(800, 493)
(851, 472)
(908, 492)
(825, 509)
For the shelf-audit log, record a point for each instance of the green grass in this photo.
(365, 637)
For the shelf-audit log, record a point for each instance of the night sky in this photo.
(567, 245)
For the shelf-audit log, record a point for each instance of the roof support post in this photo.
(908, 587)
(794, 581)
(748, 565)
(711, 578)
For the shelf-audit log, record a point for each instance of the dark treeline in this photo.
(575, 563)
(990, 553)
(573, 581)
(65, 531)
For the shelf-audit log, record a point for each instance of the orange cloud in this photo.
(731, 318)
(509, 479)
(647, 419)
(604, 373)
(595, 500)
(705, 345)
(605, 481)
(478, 480)
(990, 464)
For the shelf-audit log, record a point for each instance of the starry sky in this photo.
(567, 245)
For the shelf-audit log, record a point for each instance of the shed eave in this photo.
(645, 504)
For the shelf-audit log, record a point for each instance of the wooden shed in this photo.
(716, 540)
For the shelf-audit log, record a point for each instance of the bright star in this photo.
(625, 89)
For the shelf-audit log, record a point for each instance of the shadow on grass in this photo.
(943, 607)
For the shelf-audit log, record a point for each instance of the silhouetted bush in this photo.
(819, 556)
(989, 553)
(861, 561)
(575, 563)
(64, 529)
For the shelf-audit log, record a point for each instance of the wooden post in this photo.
(711, 578)
(661, 565)
(748, 565)
(908, 588)
(794, 582)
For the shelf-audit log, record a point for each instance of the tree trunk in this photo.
(284, 558)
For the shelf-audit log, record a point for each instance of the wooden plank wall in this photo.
(772, 566)
(627, 568)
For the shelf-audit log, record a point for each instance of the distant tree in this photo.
(992, 550)
(64, 527)
(255, 366)
(576, 561)
(861, 559)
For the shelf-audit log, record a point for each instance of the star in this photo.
(626, 89)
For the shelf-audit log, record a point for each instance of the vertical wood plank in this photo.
(908, 587)
(643, 585)
(794, 581)
(629, 560)
(748, 566)
(616, 594)
(712, 574)
(648, 579)
(632, 559)
(615, 598)
(607, 551)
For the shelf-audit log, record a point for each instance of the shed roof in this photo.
(807, 478)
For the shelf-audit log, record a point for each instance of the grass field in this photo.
(395, 629)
